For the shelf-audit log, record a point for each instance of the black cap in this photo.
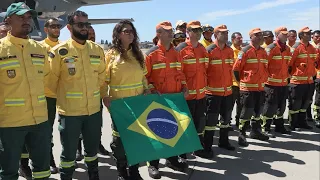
(268, 34)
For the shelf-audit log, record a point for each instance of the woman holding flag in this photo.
(126, 78)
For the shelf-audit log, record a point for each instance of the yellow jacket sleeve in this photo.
(54, 74)
(102, 76)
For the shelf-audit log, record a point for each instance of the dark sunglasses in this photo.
(179, 35)
(82, 25)
(55, 26)
(210, 29)
(128, 31)
(184, 26)
(197, 30)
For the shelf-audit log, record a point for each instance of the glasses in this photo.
(184, 26)
(208, 29)
(128, 31)
(179, 35)
(197, 30)
(55, 26)
(82, 25)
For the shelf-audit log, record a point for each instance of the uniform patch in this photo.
(37, 56)
(72, 71)
(268, 51)
(63, 51)
(11, 73)
(240, 55)
(51, 55)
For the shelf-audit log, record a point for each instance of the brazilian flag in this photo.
(154, 126)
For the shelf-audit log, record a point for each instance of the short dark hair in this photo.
(46, 24)
(74, 14)
(293, 31)
(233, 35)
(316, 32)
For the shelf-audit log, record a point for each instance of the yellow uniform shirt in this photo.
(235, 55)
(205, 43)
(77, 74)
(317, 46)
(125, 77)
(23, 65)
(48, 44)
(264, 45)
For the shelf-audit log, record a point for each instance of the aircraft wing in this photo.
(106, 21)
(100, 2)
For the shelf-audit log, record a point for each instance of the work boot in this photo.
(122, 171)
(294, 122)
(280, 128)
(102, 150)
(224, 140)
(176, 165)
(256, 132)
(134, 173)
(267, 128)
(317, 123)
(242, 140)
(154, 172)
(53, 167)
(93, 175)
(24, 169)
(206, 154)
(309, 115)
(79, 155)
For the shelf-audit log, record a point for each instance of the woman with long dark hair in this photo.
(125, 77)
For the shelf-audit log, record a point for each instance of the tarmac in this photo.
(294, 157)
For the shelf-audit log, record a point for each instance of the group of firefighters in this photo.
(76, 78)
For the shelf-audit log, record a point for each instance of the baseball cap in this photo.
(281, 29)
(19, 9)
(180, 23)
(220, 28)
(267, 33)
(305, 29)
(194, 24)
(254, 30)
(165, 25)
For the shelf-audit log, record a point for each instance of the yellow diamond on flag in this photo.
(161, 123)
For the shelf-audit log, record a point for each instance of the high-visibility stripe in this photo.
(215, 89)
(217, 61)
(202, 90)
(242, 123)
(249, 85)
(264, 61)
(210, 128)
(42, 98)
(150, 86)
(159, 66)
(277, 57)
(14, 102)
(294, 112)
(224, 126)
(276, 80)
(25, 155)
(301, 78)
(192, 91)
(189, 61)
(229, 88)
(94, 61)
(313, 55)
(145, 71)
(303, 110)
(252, 61)
(42, 174)
(38, 61)
(9, 64)
(67, 164)
(183, 82)
(256, 118)
(74, 95)
(278, 117)
(200, 134)
(316, 107)
(302, 56)
(126, 86)
(287, 57)
(228, 61)
(96, 93)
(90, 159)
(175, 65)
(115, 133)
(204, 60)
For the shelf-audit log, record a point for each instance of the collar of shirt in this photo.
(304, 45)
(234, 48)
(217, 44)
(77, 45)
(17, 41)
(282, 46)
(51, 43)
(162, 48)
(189, 43)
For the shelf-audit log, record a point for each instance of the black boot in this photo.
(24, 169)
(203, 153)
(242, 141)
(122, 171)
(302, 122)
(102, 150)
(53, 167)
(256, 132)
(224, 140)
(293, 119)
(280, 128)
(267, 128)
(175, 164)
(154, 172)
(79, 155)
(207, 151)
(309, 115)
(134, 173)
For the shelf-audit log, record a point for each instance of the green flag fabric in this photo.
(154, 126)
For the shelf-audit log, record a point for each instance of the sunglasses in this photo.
(184, 26)
(179, 35)
(82, 25)
(210, 29)
(197, 30)
(128, 31)
(55, 26)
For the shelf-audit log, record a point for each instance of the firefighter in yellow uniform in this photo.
(24, 118)
(77, 76)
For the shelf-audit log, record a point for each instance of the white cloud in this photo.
(258, 7)
(308, 17)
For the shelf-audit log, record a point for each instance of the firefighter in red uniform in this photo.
(250, 69)
(164, 74)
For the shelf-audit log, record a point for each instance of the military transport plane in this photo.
(59, 9)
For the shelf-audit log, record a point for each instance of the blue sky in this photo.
(237, 15)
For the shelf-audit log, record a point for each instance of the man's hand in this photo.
(185, 92)
(146, 92)
(107, 101)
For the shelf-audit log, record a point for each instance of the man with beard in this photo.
(24, 118)
(4, 28)
(77, 76)
(102, 150)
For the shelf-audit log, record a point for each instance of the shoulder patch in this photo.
(271, 46)
(211, 47)
(246, 48)
(240, 54)
(181, 46)
(63, 51)
(151, 50)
